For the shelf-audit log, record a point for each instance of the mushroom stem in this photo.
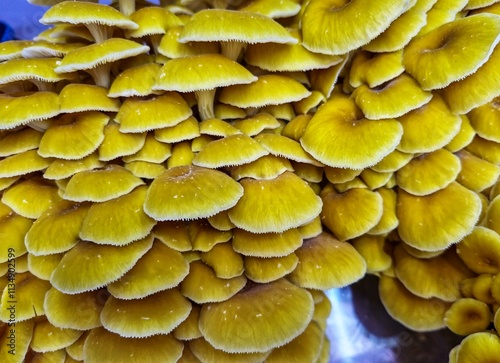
(39, 125)
(155, 42)
(206, 103)
(101, 74)
(127, 7)
(100, 32)
(43, 86)
(232, 50)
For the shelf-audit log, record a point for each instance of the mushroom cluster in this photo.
(180, 182)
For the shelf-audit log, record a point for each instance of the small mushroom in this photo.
(60, 338)
(266, 245)
(467, 316)
(265, 270)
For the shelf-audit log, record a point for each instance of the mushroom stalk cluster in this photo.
(182, 182)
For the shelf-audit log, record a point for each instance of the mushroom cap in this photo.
(13, 229)
(421, 133)
(30, 198)
(202, 286)
(265, 270)
(431, 57)
(485, 149)
(104, 346)
(190, 192)
(210, 25)
(479, 347)
(80, 12)
(184, 130)
(188, 329)
(155, 314)
(287, 57)
(30, 292)
(375, 69)
(207, 353)
(100, 264)
(476, 89)
(94, 55)
(62, 169)
(476, 174)
(324, 80)
(273, 8)
(467, 316)
(319, 258)
(37, 69)
(266, 245)
(480, 250)
(286, 148)
(492, 217)
(78, 97)
(271, 205)
(24, 334)
(257, 123)
(223, 259)
(135, 81)
(392, 99)
(339, 136)
(56, 229)
(174, 235)
(266, 167)
(414, 312)
(204, 237)
(125, 215)
(16, 142)
(20, 110)
(201, 72)
(372, 249)
(268, 89)
(43, 266)
(101, 185)
(428, 173)
(171, 47)
(259, 318)
(152, 20)
(182, 155)
(85, 311)
(217, 127)
(229, 151)
(485, 120)
(431, 277)
(12, 49)
(159, 269)
(73, 136)
(117, 144)
(221, 221)
(139, 115)
(332, 20)
(438, 220)
(75, 350)
(464, 137)
(389, 221)
(351, 213)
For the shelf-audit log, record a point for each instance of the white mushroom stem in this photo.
(127, 7)
(39, 125)
(43, 86)
(206, 103)
(232, 50)
(100, 32)
(101, 74)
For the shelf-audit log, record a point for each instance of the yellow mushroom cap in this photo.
(327, 25)
(101, 185)
(265, 270)
(284, 147)
(271, 205)
(257, 123)
(124, 215)
(266, 245)
(485, 119)
(18, 141)
(268, 89)
(159, 269)
(339, 136)
(12, 49)
(188, 329)
(117, 144)
(492, 217)
(431, 277)
(153, 151)
(139, 115)
(152, 20)
(217, 127)
(174, 235)
(155, 314)
(104, 346)
(485, 149)
(57, 229)
(437, 220)
(467, 316)
(266, 167)
(99, 264)
(78, 97)
(287, 57)
(207, 353)
(274, 8)
(13, 229)
(190, 192)
(201, 72)
(410, 310)
(372, 249)
(479, 250)
(20, 110)
(431, 57)
(319, 258)
(351, 213)
(83, 314)
(24, 334)
(421, 133)
(73, 136)
(185, 130)
(476, 89)
(202, 286)
(479, 347)
(392, 99)
(229, 151)
(228, 25)
(476, 174)
(30, 198)
(135, 81)
(62, 169)
(375, 69)
(60, 338)
(428, 173)
(223, 259)
(260, 318)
